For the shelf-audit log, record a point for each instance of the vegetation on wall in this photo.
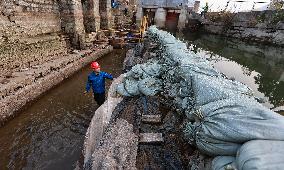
(224, 17)
(276, 17)
(227, 18)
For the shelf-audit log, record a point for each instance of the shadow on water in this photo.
(49, 133)
(260, 67)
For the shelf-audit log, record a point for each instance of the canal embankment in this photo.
(266, 27)
(28, 83)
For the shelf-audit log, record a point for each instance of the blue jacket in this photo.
(97, 81)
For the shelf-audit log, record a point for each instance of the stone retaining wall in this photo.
(28, 52)
(25, 86)
(37, 31)
(259, 26)
(21, 18)
(29, 33)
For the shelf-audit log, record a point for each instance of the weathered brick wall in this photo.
(259, 26)
(29, 33)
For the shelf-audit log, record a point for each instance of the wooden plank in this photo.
(150, 138)
(151, 118)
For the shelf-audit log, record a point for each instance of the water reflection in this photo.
(49, 133)
(260, 67)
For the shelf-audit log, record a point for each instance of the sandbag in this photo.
(141, 71)
(136, 72)
(198, 68)
(171, 42)
(131, 86)
(141, 80)
(208, 89)
(120, 89)
(149, 86)
(224, 163)
(261, 155)
(200, 89)
(222, 126)
(151, 68)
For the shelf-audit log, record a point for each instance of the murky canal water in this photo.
(260, 67)
(49, 133)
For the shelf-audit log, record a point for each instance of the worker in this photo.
(129, 35)
(205, 10)
(125, 11)
(96, 80)
(133, 19)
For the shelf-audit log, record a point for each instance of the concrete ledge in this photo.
(9, 105)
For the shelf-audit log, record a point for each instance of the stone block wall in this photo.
(258, 26)
(29, 33)
(72, 22)
(28, 18)
(35, 31)
(106, 15)
(29, 52)
(91, 15)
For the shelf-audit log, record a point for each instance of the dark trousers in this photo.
(99, 98)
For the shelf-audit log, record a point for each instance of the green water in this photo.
(260, 67)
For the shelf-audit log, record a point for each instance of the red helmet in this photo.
(95, 65)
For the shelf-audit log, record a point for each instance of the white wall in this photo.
(247, 5)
